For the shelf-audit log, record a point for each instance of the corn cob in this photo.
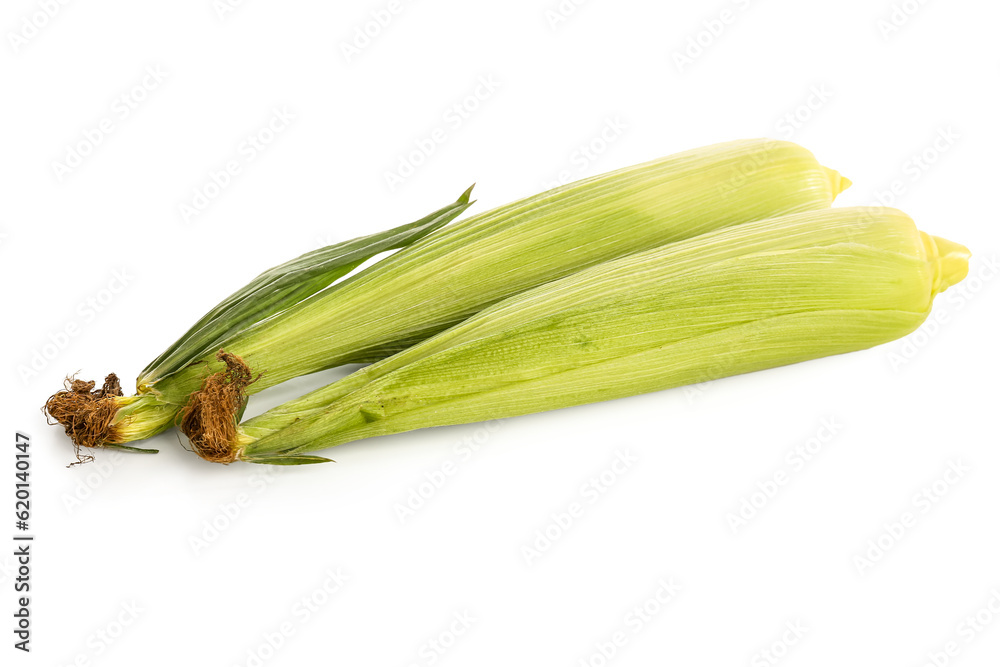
(461, 269)
(751, 297)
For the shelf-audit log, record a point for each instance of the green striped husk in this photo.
(291, 324)
(467, 266)
(142, 416)
(287, 284)
(751, 297)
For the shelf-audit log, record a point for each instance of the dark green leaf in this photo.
(289, 460)
(283, 286)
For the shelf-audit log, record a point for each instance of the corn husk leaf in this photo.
(282, 286)
(748, 298)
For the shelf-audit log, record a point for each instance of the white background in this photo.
(117, 535)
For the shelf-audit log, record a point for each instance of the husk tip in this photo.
(838, 182)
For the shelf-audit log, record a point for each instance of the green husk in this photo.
(465, 267)
(748, 298)
(105, 419)
(287, 284)
(474, 263)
